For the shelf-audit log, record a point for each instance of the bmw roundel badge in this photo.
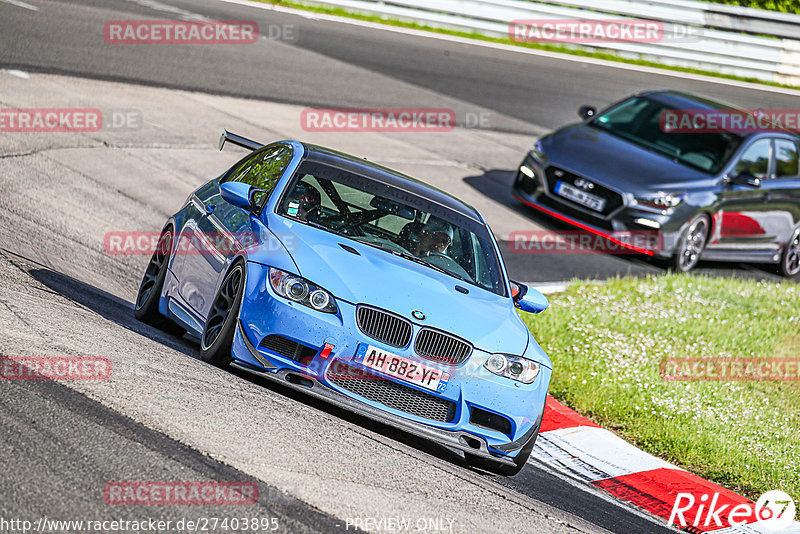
(418, 315)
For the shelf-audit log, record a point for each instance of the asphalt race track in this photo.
(165, 415)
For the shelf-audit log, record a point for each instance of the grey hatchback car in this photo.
(717, 195)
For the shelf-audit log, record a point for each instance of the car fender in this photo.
(269, 250)
(535, 352)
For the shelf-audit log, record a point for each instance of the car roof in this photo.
(682, 100)
(390, 177)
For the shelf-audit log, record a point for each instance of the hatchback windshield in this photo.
(639, 120)
(394, 220)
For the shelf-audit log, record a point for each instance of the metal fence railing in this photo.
(715, 37)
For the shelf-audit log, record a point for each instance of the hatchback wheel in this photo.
(692, 243)
(790, 262)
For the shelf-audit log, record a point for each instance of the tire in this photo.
(217, 339)
(691, 244)
(485, 464)
(790, 259)
(146, 306)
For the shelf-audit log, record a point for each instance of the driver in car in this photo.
(303, 200)
(434, 238)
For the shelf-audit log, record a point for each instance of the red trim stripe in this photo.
(582, 226)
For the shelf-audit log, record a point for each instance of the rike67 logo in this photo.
(774, 511)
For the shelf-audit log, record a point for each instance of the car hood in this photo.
(375, 277)
(614, 162)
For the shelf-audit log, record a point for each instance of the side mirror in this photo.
(746, 179)
(241, 195)
(528, 300)
(586, 112)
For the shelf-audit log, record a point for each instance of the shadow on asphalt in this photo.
(532, 481)
(120, 312)
(550, 267)
(109, 307)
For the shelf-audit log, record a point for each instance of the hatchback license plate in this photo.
(402, 368)
(581, 197)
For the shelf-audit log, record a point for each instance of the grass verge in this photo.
(538, 46)
(607, 342)
(783, 6)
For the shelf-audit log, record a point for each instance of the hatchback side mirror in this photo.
(586, 112)
(527, 299)
(746, 179)
(241, 195)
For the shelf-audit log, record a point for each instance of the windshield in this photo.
(394, 220)
(638, 120)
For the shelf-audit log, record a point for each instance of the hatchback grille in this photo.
(612, 198)
(384, 326)
(596, 220)
(441, 347)
(391, 394)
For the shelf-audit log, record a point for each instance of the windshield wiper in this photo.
(442, 269)
(323, 227)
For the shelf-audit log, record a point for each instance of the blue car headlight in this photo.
(513, 367)
(302, 291)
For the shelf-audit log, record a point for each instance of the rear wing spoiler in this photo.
(237, 140)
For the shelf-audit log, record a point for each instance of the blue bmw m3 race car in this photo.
(359, 285)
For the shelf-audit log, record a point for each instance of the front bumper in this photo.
(452, 438)
(471, 387)
(639, 230)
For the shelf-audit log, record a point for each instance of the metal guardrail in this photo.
(727, 39)
(711, 15)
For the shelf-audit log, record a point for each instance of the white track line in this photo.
(20, 4)
(591, 453)
(18, 73)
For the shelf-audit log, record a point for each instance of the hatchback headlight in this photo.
(302, 291)
(513, 367)
(662, 200)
